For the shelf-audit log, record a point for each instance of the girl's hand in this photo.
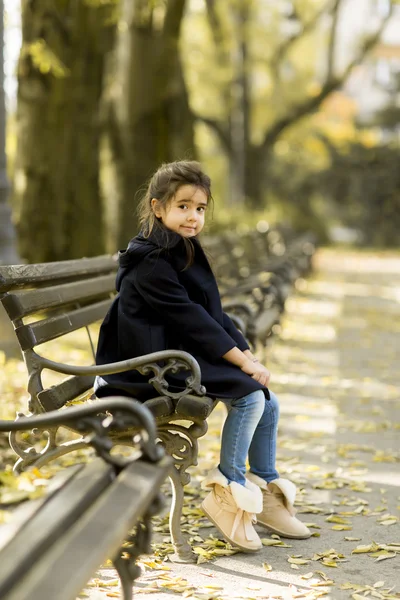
(257, 371)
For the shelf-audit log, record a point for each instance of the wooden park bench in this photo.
(50, 300)
(256, 271)
(53, 545)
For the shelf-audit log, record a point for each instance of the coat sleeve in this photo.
(157, 282)
(233, 331)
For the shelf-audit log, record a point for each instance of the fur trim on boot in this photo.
(278, 513)
(287, 488)
(248, 497)
(231, 507)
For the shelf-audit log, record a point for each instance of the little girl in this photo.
(168, 299)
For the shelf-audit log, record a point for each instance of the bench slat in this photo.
(21, 304)
(51, 521)
(37, 333)
(24, 276)
(65, 568)
(26, 510)
(58, 395)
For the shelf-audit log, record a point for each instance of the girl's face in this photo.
(185, 212)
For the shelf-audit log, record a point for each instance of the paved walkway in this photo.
(335, 369)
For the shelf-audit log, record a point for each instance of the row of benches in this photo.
(256, 272)
(47, 301)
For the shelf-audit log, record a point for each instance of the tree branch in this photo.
(329, 145)
(214, 21)
(140, 14)
(368, 44)
(304, 108)
(169, 59)
(224, 61)
(173, 19)
(330, 66)
(219, 129)
(282, 50)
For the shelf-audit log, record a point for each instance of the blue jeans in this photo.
(250, 430)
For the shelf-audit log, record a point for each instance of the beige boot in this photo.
(278, 513)
(231, 508)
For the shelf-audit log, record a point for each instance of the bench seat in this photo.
(54, 544)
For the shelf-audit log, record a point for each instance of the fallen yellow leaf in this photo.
(297, 561)
(110, 583)
(329, 563)
(213, 587)
(384, 556)
(278, 543)
(307, 575)
(389, 522)
(335, 519)
(322, 574)
(368, 548)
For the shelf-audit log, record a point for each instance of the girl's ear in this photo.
(156, 207)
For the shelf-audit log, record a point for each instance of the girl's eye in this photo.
(201, 209)
(183, 206)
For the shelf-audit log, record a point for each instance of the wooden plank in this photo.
(23, 303)
(24, 276)
(57, 514)
(27, 509)
(8, 341)
(58, 395)
(65, 568)
(33, 334)
(266, 321)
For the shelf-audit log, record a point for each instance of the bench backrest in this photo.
(46, 301)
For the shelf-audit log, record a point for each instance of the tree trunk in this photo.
(256, 177)
(8, 254)
(239, 118)
(60, 76)
(178, 116)
(149, 120)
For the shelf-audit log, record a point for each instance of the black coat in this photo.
(161, 306)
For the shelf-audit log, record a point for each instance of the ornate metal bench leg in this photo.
(183, 552)
(137, 543)
(123, 569)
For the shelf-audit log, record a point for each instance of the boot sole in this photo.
(234, 544)
(283, 534)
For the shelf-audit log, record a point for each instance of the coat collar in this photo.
(165, 238)
(162, 237)
(169, 240)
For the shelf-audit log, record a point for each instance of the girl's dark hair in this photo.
(163, 186)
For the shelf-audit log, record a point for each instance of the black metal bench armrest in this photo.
(243, 307)
(176, 360)
(124, 412)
